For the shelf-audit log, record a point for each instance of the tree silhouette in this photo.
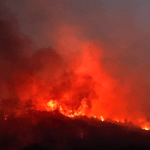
(29, 106)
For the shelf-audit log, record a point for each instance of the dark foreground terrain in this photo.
(53, 131)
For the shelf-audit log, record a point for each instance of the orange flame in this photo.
(145, 128)
(101, 117)
(53, 105)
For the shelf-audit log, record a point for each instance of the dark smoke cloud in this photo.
(17, 65)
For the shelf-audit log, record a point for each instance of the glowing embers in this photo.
(101, 118)
(53, 105)
(5, 117)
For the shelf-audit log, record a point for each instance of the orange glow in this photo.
(145, 128)
(101, 117)
(52, 105)
(81, 86)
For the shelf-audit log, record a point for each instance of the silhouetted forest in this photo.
(37, 130)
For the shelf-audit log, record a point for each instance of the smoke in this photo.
(20, 69)
(93, 49)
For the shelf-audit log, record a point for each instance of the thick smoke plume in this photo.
(72, 50)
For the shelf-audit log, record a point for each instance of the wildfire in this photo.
(83, 81)
(53, 105)
(145, 128)
(101, 117)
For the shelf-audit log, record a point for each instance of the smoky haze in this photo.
(119, 28)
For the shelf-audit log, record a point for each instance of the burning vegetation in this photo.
(71, 97)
